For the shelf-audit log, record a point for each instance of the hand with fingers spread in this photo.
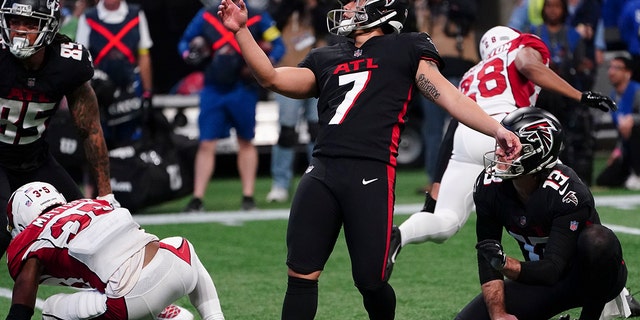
(233, 15)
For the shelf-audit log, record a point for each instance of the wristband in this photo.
(19, 312)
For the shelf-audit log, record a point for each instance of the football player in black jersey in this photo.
(364, 86)
(570, 259)
(39, 68)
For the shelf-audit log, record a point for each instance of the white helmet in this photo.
(28, 202)
(494, 38)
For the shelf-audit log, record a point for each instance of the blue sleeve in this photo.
(193, 30)
(278, 50)
(268, 28)
(628, 26)
(520, 17)
(598, 38)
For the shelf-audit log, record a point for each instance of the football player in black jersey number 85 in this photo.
(570, 259)
(363, 86)
(39, 67)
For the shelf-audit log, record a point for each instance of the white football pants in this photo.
(164, 280)
(455, 198)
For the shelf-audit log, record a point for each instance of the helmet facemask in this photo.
(541, 137)
(367, 14)
(47, 23)
(496, 165)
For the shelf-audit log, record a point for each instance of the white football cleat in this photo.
(278, 194)
(173, 312)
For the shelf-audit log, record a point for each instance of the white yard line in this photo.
(6, 293)
(238, 217)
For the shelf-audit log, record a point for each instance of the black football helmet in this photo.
(389, 14)
(541, 137)
(47, 14)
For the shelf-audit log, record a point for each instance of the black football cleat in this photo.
(634, 306)
(395, 245)
(195, 205)
(248, 203)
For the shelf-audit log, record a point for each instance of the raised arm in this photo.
(529, 63)
(289, 81)
(438, 89)
(83, 105)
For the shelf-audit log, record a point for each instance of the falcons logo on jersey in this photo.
(540, 133)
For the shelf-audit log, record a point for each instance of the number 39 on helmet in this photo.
(28, 202)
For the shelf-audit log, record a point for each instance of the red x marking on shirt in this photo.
(114, 40)
(225, 35)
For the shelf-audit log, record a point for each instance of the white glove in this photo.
(111, 199)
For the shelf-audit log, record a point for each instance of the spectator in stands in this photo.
(229, 96)
(526, 14)
(573, 60)
(117, 35)
(71, 12)
(629, 25)
(301, 32)
(623, 166)
(607, 36)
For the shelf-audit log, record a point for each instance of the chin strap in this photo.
(20, 48)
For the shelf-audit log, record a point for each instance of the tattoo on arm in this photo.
(86, 115)
(427, 88)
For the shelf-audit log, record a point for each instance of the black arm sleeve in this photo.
(487, 227)
(445, 150)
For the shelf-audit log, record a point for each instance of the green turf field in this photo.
(246, 260)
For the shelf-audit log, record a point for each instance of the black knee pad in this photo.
(598, 244)
(288, 137)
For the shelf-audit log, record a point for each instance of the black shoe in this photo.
(634, 306)
(195, 205)
(429, 203)
(395, 245)
(248, 203)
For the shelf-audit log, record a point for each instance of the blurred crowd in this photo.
(583, 36)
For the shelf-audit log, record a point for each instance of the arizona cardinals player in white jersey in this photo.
(513, 69)
(128, 273)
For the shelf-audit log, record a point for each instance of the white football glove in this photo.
(111, 199)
